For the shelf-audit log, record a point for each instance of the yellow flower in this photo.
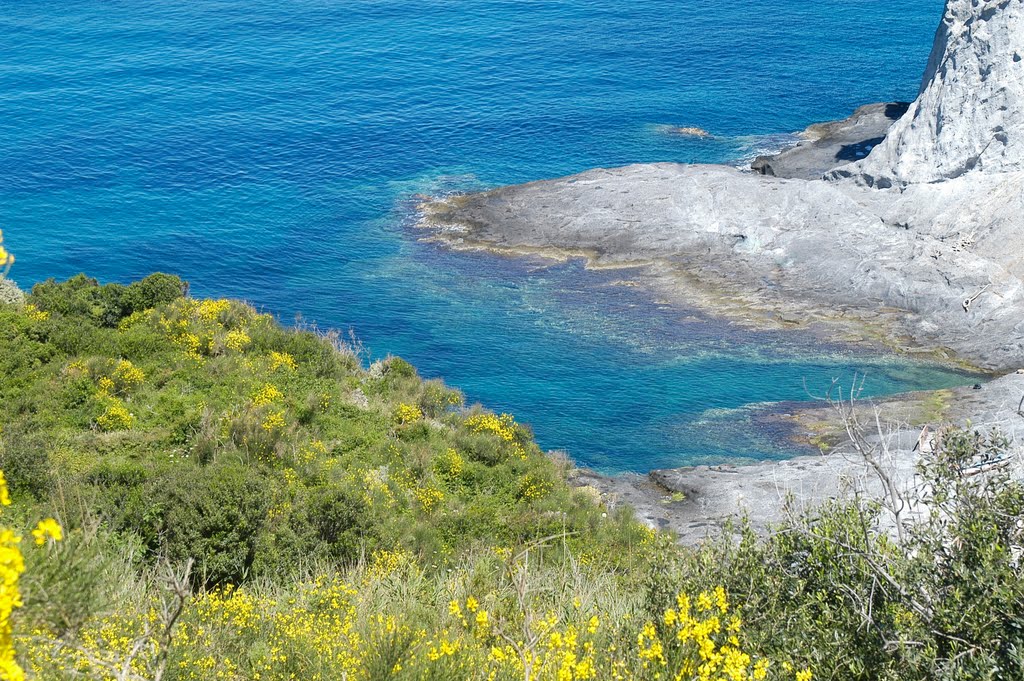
(210, 310)
(6, 258)
(12, 565)
(237, 340)
(126, 375)
(429, 497)
(408, 413)
(532, 487)
(266, 395)
(5, 495)
(189, 342)
(273, 422)
(804, 675)
(503, 426)
(386, 562)
(721, 600)
(48, 528)
(34, 313)
(450, 465)
(282, 359)
(115, 417)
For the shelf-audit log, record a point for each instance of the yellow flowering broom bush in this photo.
(330, 540)
(12, 566)
(6, 257)
(349, 627)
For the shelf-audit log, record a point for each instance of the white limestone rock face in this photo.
(970, 111)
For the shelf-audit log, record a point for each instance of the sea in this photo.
(274, 151)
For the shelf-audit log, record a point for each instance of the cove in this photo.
(269, 151)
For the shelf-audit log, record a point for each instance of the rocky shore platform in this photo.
(696, 502)
(904, 223)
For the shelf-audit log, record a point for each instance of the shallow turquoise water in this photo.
(269, 150)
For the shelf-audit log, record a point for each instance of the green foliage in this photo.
(272, 459)
(204, 430)
(946, 603)
(24, 461)
(105, 305)
(67, 582)
(212, 514)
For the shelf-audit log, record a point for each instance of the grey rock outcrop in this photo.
(694, 502)
(788, 246)
(969, 114)
(939, 259)
(827, 146)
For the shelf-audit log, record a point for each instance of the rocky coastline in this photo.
(904, 222)
(697, 501)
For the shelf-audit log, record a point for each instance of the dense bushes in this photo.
(202, 429)
(81, 296)
(345, 522)
(944, 602)
(214, 513)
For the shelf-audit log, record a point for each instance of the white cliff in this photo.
(969, 114)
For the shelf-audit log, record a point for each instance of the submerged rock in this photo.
(688, 131)
(786, 244)
(696, 502)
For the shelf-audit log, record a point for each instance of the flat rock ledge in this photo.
(936, 265)
(923, 233)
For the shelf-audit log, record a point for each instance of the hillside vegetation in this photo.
(234, 499)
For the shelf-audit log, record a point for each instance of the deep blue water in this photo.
(269, 150)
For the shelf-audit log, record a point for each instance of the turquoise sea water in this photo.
(270, 150)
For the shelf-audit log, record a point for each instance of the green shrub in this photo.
(118, 474)
(106, 305)
(419, 503)
(336, 524)
(24, 461)
(212, 514)
(155, 290)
